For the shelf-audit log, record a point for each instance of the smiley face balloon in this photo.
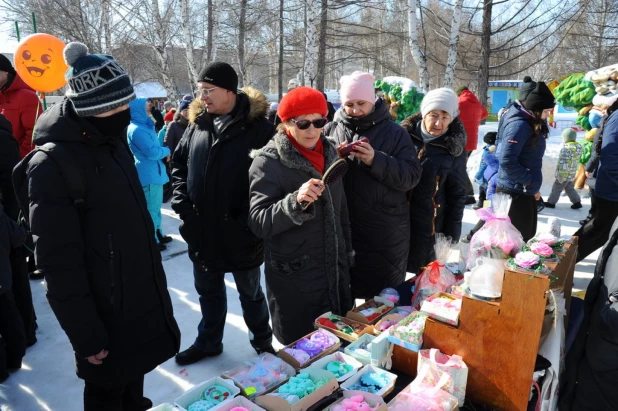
(39, 62)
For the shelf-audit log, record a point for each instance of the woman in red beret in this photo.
(306, 251)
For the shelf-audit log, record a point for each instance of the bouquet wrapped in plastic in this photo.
(498, 238)
(436, 277)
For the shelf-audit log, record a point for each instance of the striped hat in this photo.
(97, 83)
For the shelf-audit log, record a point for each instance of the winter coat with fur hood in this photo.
(305, 251)
(377, 198)
(211, 183)
(438, 200)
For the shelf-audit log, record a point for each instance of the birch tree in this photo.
(314, 14)
(241, 43)
(417, 54)
(449, 75)
(188, 37)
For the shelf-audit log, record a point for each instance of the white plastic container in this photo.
(195, 393)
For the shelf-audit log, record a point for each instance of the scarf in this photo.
(315, 155)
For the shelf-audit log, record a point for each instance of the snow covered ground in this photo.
(47, 380)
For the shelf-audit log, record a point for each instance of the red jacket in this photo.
(21, 106)
(471, 114)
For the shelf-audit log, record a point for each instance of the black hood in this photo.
(378, 115)
(61, 123)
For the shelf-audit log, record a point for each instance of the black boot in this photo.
(193, 354)
(482, 198)
(163, 239)
(577, 205)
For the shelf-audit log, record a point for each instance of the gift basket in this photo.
(491, 246)
(436, 277)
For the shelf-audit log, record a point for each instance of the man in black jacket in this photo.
(211, 194)
(105, 280)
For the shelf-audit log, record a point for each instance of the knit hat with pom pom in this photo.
(526, 87)
(97, 83)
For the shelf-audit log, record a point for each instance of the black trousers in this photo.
(13, 345)
(125, 397)
(593, 204)
(595, 232)
(22, 292)
(523, 213)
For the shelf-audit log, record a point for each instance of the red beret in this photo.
(169, 116)
(301, 101)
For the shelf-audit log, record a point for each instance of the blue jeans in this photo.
(154, 201)
(213, 303)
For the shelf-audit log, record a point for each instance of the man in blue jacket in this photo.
(148, 154)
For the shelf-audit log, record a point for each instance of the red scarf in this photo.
(315, 156)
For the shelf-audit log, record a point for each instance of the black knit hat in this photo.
(526, 88)
(97, 83)
(490, 138)
(219, 74)
(5, 65)
(540, 98)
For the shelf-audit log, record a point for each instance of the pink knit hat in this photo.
(357, 86)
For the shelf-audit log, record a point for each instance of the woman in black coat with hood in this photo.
(438, 201)
(381, 174)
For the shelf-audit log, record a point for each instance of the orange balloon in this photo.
(39, 62)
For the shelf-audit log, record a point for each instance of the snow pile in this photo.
(405, 83)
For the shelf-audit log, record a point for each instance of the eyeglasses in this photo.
(205, 92)
(304, 124)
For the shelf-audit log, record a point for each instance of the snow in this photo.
(47, 380)
(405, 83)
(150, 89)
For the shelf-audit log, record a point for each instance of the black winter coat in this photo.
(211, 184)
(377, 198)
(437, 202)
(591, 366)
(174, 132)
(9, 157)
(105, 280)
(11, 236)
(306, 251)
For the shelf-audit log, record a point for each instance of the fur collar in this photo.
(258, 106)
(282, 149)
(454, 140)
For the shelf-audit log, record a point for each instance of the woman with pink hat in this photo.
(381, 174)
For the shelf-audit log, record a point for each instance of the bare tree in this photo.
(314, 12)
(188, 37)
(449, 74)
(241, 42)
(419, 57)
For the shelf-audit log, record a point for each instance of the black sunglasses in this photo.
(304, 124)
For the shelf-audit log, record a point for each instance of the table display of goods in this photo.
(443, 307)
(449, 372)
(361, 348)
(371, 311)
(528, 262)
(207, 395)
(372, 380)
(409, 332)
(342, 365)
(298, 387)
(556, 243)
(342, 327)
(436, 277)
(310, 347)
(265, 372)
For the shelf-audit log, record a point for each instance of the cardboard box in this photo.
(410, 331)
(238, 402)
(446, 313)
(395, 318)
(370, 398)
(273, 403)
(294, 363)
(342, 357)
(379, 349)
(367, 370)
(350, 349)
(355, 314)
(364, 328)
(195, 393)
(404, 344)
(251, 392)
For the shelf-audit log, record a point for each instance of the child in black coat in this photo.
(13, 343)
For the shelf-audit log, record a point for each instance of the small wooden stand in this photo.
(498, 341)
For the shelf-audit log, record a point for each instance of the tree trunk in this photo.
(106, 29)
(213, 28)
(160, 48)
(449, 74)
(188, 37)
(319, 83)
(419, 58)
(311, 43)
(280, 71)
(241, 43)
(485, 52)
